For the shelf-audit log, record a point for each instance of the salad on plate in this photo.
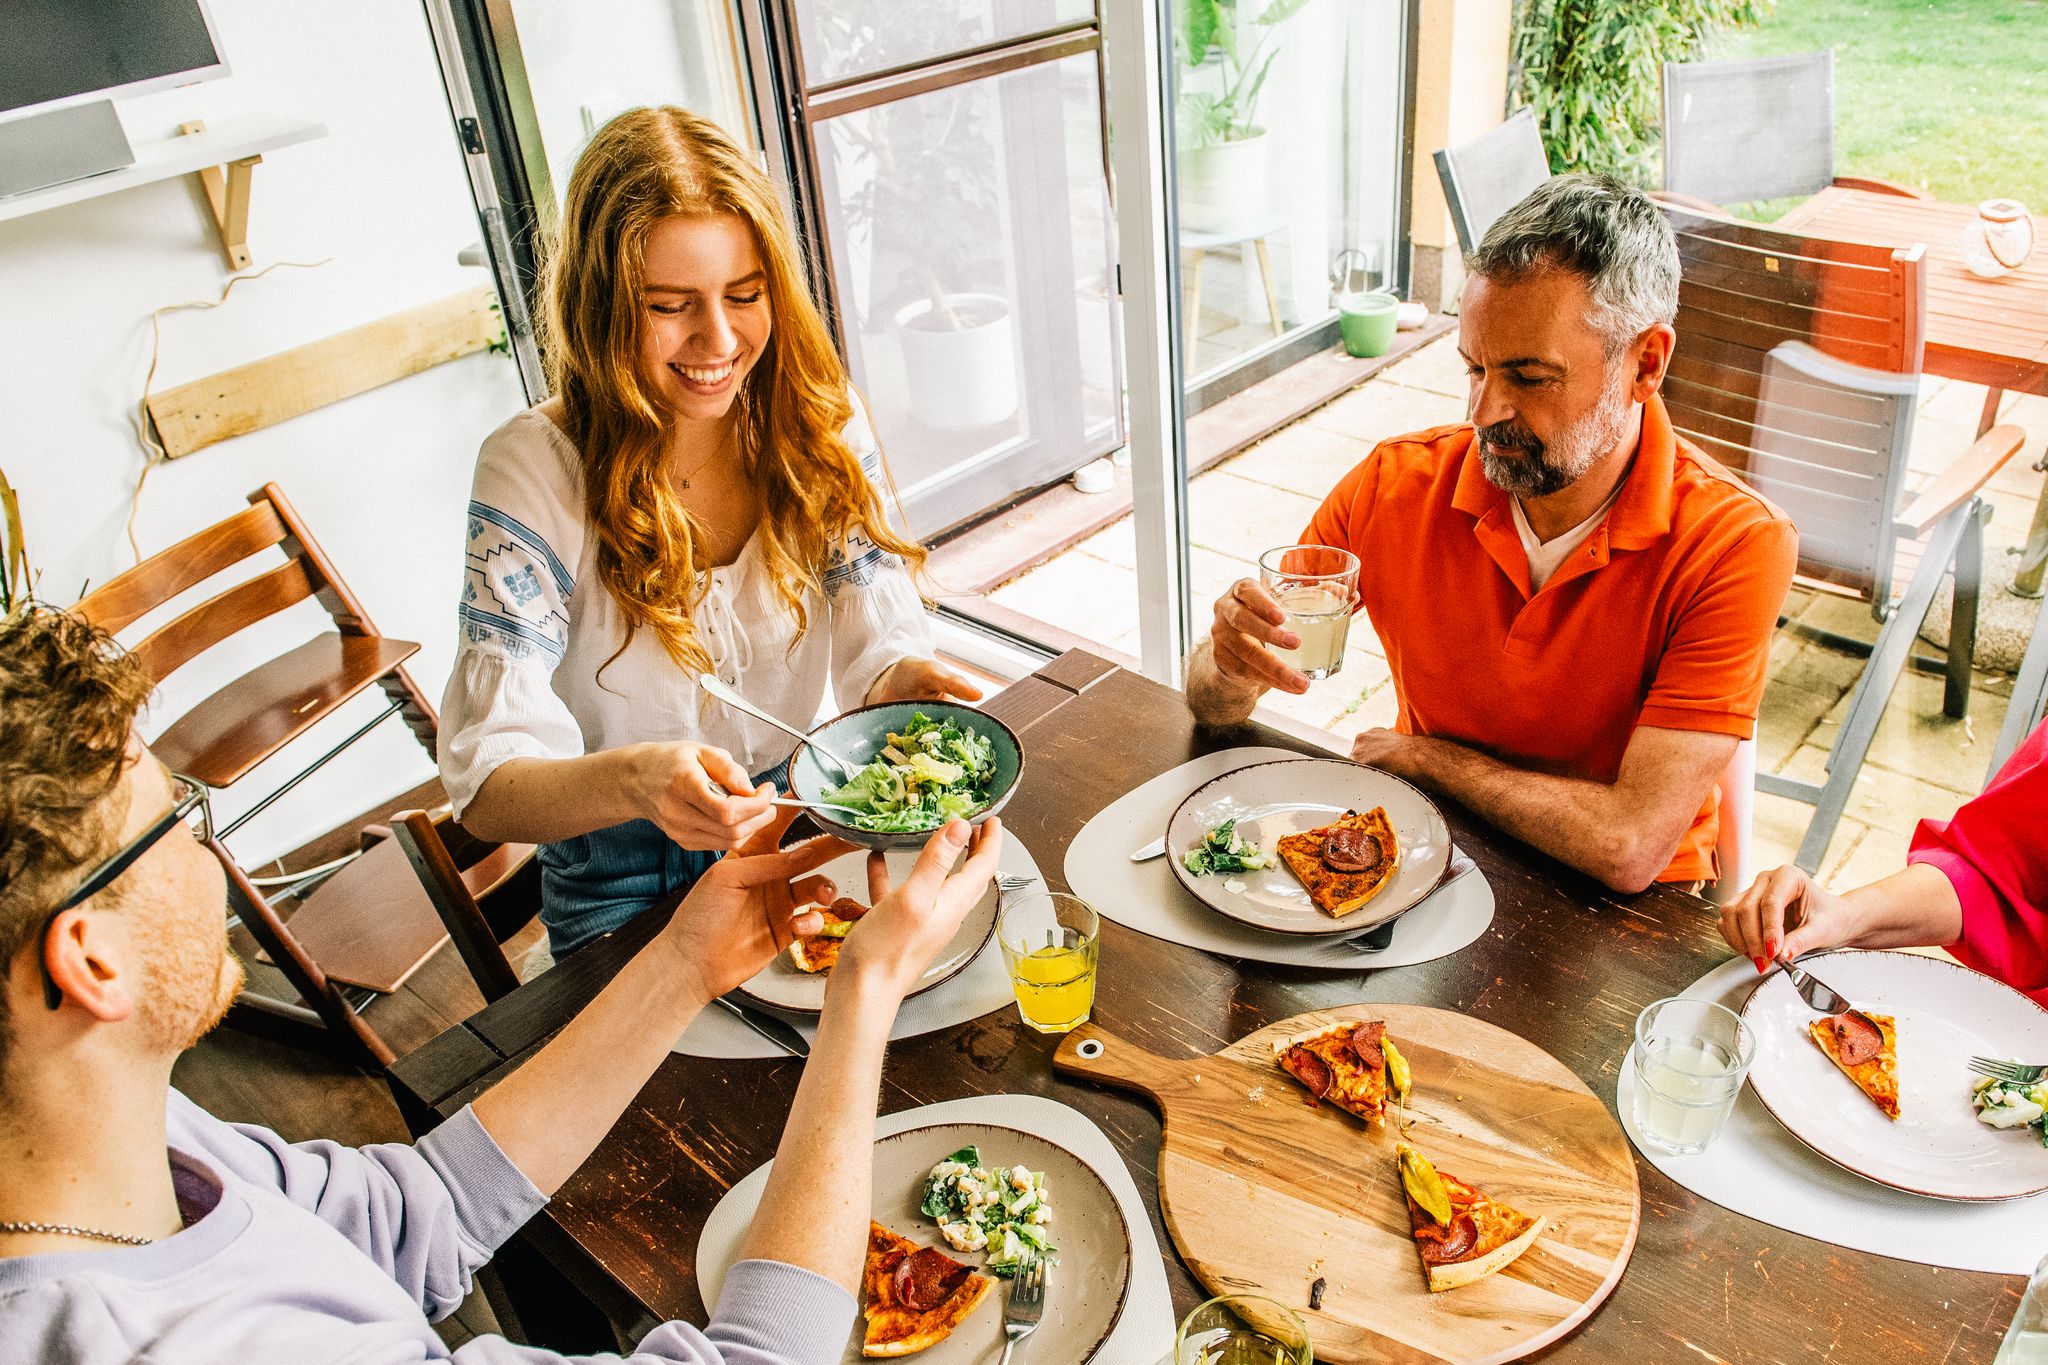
(925, 776)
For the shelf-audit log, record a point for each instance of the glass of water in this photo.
(1242, 1329)
(1690, 1058)
(1314, 585)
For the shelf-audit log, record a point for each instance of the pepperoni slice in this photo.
(925, 1278)
(1453, 1243)
(847, 908)
(1311, 1070)
(1351, 850)
(1856, 1038)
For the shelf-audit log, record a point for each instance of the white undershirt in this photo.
(1546, 555)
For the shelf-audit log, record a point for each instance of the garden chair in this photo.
(1489, 175)
(226, 735)
(1797, 367)
(484, 892)
(1737, 132)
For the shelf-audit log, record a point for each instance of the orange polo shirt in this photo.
(1663, 617)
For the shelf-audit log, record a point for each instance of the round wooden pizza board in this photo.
(1263, 1193)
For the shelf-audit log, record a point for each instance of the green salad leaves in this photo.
(1222, 851)
(1003, 1210)
(923, 777)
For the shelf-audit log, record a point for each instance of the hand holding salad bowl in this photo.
(922, 763)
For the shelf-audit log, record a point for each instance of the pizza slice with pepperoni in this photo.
(1461, 1235)
(1866, 1048)
(819, 952)
(915, 1295)
(1344, 1064)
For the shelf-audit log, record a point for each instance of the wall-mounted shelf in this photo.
(222, 157)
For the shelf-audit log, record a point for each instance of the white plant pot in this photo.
(962, 378)
(1223, 185)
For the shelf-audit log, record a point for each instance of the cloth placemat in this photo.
(1147, 1324)
(1759, 1170)
(982, 985)
(1146, 897)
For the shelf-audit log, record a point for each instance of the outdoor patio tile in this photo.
(1437, 367)
(1841, 615)
(1116, 542)
(2012, 516)
(1938, 443)
(2018, 474)
(1091, 597)
(1777, 824)
(1244, 519)
(1379, 409)
(1813, 667)
(1878, 854)
(1788, 715)
(1915, 737)
(1305, 458)
(1884, 798)
(1957, 402)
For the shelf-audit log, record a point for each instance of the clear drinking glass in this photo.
(1051, 943)
(1314, 585)
(1690, 1058)
(2026, 1341)
(1242, 1329)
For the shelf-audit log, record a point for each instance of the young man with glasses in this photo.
(135, 1225)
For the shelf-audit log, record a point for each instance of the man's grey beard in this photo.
(1540, 469)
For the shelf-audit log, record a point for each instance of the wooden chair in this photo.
(226, 735)
(1797, 367)
(1737, 132)
(484, 892)
(1492, 173)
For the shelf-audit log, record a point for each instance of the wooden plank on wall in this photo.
(264, 392)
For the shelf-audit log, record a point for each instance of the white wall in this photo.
(382, 478)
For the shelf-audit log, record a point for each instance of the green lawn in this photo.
(1947, 95)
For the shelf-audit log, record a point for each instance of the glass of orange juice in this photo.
(1050, 943)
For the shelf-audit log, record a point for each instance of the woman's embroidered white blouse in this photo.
(537, 626)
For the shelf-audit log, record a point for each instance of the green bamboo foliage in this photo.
(1592, 70)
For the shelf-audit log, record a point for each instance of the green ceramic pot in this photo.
(1367, 321)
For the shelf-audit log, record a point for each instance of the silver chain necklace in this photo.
(67, 1230)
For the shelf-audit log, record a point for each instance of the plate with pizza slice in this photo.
(1309, 846)
(1887, 1095)
(794, 982)
(924, 1296)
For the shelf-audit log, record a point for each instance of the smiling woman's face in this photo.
(706, 317)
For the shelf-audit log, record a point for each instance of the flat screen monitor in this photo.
(55, 53)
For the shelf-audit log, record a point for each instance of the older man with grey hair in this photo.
(1576, 605)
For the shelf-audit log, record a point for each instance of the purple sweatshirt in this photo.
(311, 1252)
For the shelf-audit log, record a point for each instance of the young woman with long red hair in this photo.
(699, 495)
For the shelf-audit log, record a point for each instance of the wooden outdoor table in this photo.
(1989, 332)
(1565, 964)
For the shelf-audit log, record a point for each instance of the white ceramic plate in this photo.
(1270, 800)
(780, 986)
(1085, 1292)
(1946, 1014)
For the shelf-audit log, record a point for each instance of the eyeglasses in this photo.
(192, 797)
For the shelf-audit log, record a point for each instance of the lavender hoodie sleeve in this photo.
(427, 1213)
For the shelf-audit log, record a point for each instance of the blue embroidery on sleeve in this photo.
(515, 592)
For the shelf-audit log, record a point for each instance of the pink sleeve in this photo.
(1995, 852)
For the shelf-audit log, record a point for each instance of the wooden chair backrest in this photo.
(1797, 367)
(484, 892)
(270, 522)
(1762, 128)
(1484, 178)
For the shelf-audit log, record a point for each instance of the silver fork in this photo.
(1006, 882)
(1026, 1306)
(2019, 1073)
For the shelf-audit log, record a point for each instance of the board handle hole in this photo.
(1089, 1050)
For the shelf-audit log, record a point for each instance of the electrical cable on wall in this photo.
(153, 452)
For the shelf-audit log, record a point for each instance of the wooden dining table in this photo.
(1566, 963)
(1992, 332)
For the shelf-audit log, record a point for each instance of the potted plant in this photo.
(17, 580)
(1223, 146)
(923, 204)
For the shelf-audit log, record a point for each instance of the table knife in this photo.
(768, 1026)
(1155, 849)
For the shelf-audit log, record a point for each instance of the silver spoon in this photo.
(715, 685)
